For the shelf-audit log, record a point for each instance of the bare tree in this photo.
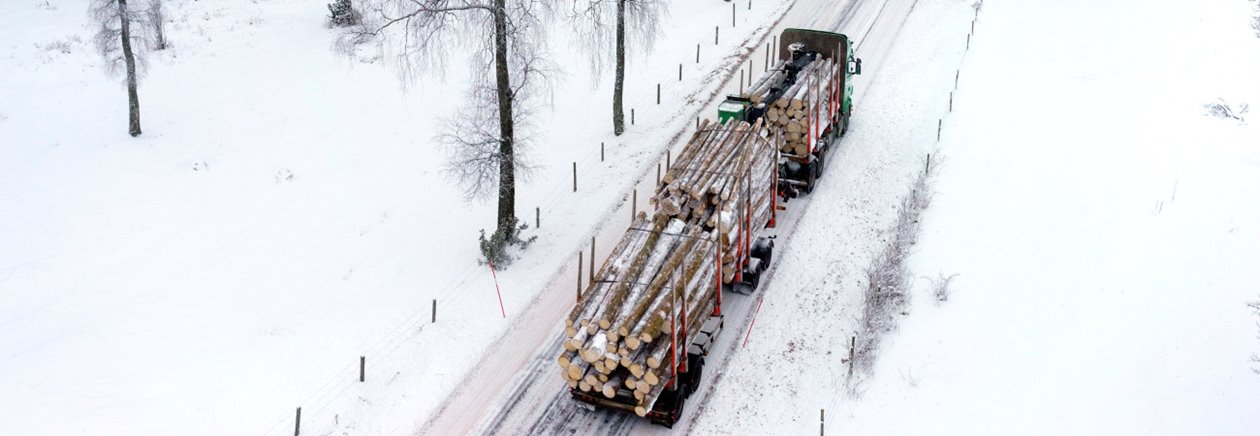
(483, 140)
(157, 19)
(121, 47)
(606, 24)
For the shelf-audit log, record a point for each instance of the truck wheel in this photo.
(821, 164)
(697, 373)
(763, 249)
(811, 172)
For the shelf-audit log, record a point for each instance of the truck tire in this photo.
(697, 373)
(763, 249)
(822, 164)
(811, 172)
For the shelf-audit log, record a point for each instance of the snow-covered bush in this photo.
(888, 278)
(343, 13)
(1222, 109)
(496, 248)
(1255, 358)
(940, 287)
(1255, 20)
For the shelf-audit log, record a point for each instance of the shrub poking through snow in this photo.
(1222, 109)
(888, 280)
(1255, 358)
(495, 249)
(940, 287)
(343, 13)
(1255, 20)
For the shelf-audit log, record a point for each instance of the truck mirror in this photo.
(858, 69)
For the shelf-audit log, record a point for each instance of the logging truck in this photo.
(637, 339)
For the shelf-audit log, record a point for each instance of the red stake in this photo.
(496, 289)
(754, 321)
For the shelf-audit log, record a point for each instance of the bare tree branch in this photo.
(504, 41)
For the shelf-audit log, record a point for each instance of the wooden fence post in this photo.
(434, 310)
(852, 353)
(592, 274)
(297, 423)
(574, 176)
(362, 363)
(579, 278)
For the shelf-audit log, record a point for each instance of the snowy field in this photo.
(1102, 226)
(284, 213)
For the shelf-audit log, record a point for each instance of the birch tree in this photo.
(486, 137)
(121, 40)
(606, 25)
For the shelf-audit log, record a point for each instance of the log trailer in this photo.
(637, 339)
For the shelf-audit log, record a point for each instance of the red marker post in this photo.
(496, 289)
(754, 321)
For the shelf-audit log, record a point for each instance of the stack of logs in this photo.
(724, 176)
(791, 113)
(662, 275)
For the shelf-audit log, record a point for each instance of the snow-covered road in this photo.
(514, 389)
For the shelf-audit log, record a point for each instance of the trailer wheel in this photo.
(822, 164)
(763, 249)
(696, 365)
(811, 175)
(673, 402)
